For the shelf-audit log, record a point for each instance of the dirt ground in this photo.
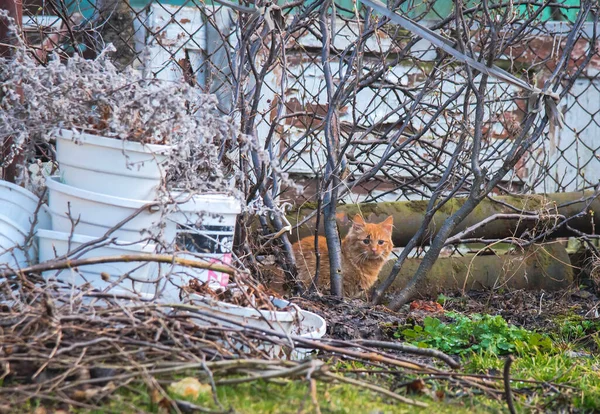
(536, 311)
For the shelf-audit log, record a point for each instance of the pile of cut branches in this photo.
(68, 352)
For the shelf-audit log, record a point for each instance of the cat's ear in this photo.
(388, 224)
(358, 222)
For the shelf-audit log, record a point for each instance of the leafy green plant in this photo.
(574, 328)
(485, 333)
(443, 299)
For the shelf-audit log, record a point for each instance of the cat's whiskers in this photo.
(362, 257)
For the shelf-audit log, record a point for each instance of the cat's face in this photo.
(371, 241)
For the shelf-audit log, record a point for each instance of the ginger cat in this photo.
(365, 249)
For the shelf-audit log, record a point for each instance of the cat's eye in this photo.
(367, 241)
(380, 242)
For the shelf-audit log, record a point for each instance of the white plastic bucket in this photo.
(97, 213)
(19, 205)
(205, 222)
(314, 327)
(12, 243)
(53, 244)
(296, 321)
(111, 166)
(123, 296)
(208, 209)
(205, 228)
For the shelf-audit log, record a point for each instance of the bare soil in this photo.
(537, 311)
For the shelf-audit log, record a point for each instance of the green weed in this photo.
(574, 328)
(477, 333)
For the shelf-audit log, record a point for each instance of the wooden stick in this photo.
(507, 390)
(141, 257)
(434, 353)
(376, 388)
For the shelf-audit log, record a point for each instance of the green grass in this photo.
(295, 397)
(288, 397)
(580, 373)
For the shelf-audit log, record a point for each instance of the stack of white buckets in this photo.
(102, 183)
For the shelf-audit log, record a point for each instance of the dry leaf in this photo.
(155, 396)
(85, 395)
(440, 395)
(163, 404)
(105, 276)
(417, 386)
(78, 395)
(426, 306)
(189, 387)
(40, 410)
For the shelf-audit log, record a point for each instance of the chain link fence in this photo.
(201, 43)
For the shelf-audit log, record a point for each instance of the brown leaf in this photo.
(162, 403)
(426, 306)
(165, 405)
(85, 395)
(78, 395)
(416, 387)
(155, 396)
(440, 395)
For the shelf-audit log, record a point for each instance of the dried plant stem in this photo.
(377, 389)
(295, 371)
(411, 349)
(160, 258)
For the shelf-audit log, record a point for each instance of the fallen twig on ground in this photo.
(411, 350)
